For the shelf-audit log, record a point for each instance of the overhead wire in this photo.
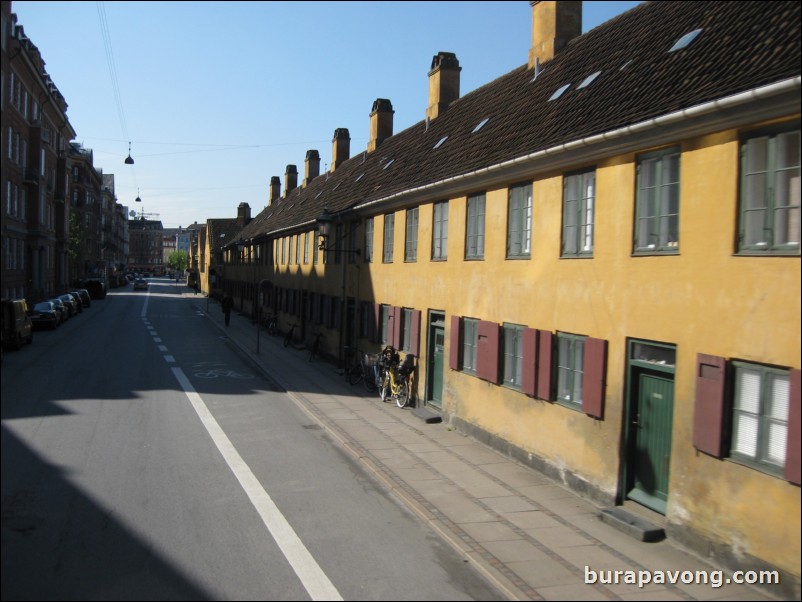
(115, 85)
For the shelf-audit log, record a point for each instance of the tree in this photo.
(178, 260)
(76, 251)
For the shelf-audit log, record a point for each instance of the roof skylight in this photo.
(440, 142)
(481, 125)
(685, 40)
(588, 80)
(389, 163)
(559, 92)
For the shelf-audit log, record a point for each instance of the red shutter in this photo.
(708, 419)
(487, 350)
(792, 454)
(530, 361)
(455, 345)
(414, 339)
(396, 321)
(593, 379)
(544, 352)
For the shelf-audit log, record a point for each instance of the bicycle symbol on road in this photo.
(219, 372)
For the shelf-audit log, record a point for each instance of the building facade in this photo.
(594, 258)
(35, 136)
(60, 219)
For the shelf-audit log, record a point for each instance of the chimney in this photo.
(341, 148)
(243, 214)
(443, 83)
(312, 166)
(381, 123)
(554, 24)
(275, 190)
(290, 179)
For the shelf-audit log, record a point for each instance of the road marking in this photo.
(169, 359)
(312, 577)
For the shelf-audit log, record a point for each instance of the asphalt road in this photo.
(144, 458)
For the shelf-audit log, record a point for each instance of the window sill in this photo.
(768, 470)
(655, 253)
(772, 253)
(571, 405)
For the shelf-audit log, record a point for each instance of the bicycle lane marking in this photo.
(312, 577)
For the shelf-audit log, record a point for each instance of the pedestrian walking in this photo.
(227, 304)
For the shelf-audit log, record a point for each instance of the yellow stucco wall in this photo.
(706, 299)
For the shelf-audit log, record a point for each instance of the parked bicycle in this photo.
(289, 335)
(314, 348)
(397, 377)
(366, 372)
(272, 325)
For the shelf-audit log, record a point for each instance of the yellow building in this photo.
(594, 258)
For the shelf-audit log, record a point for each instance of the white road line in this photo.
(312, 577)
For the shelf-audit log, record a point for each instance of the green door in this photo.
(437, 353)
(650, 452)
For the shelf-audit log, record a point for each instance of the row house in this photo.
(594, 258)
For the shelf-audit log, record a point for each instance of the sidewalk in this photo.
(529, 536)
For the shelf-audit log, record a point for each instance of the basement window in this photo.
(440, 142)
(685, 40)
(559, 92)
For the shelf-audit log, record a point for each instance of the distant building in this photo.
(145, 252)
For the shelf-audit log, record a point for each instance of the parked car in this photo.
(78, 301)
(16, 323)
(61, 310)
(86, 299)
(70, 304)
(140, 284)
(44, 315)
(96, 288)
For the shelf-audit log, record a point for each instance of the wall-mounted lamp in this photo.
(324, 225)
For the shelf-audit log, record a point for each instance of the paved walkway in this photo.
(531, 537)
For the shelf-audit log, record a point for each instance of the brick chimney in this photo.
(381, 123)
(443, 83)
(275, 190)
(341, 148)
(243, 214)
(290, 180)
(554, 24)
(312, 166)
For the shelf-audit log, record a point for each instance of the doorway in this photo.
(650, 419)
(435, 366)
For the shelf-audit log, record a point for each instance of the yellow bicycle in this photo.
(396, 384)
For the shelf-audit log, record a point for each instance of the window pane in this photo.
(780, 394)
(748, 391)
(776, 444)
(788, 150)
(757, 155)
(744, 437)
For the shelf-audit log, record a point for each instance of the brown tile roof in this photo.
(222, 232)
(742, 46)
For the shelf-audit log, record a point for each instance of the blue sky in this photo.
(218, 97)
